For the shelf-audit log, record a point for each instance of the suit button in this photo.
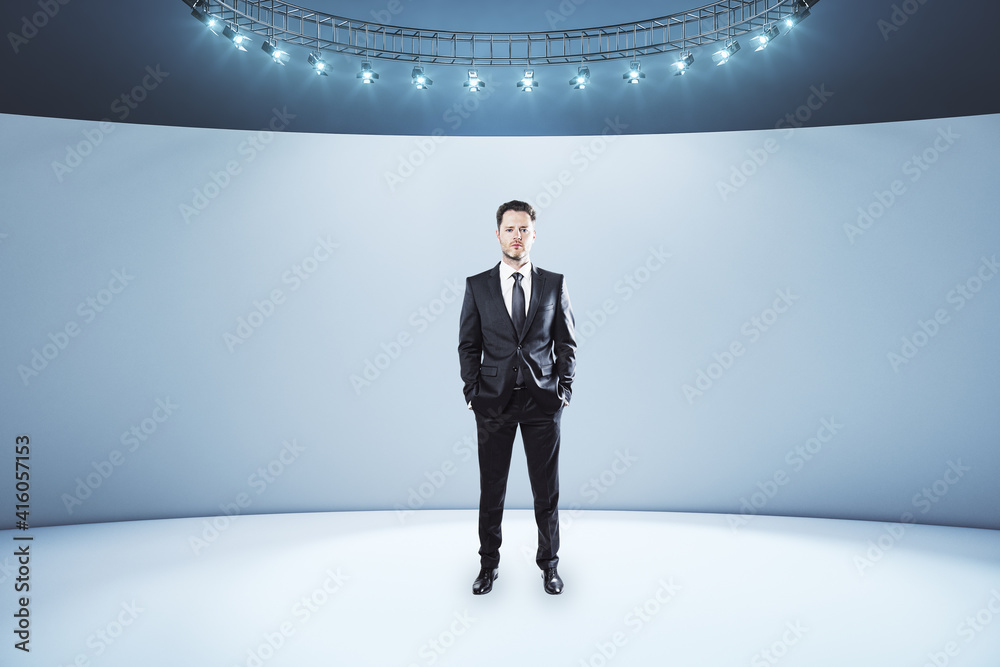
(519, 347)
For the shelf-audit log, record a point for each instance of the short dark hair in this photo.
(515, 205)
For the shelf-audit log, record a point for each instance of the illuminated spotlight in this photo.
(528, 83)
(233, 34)
(319, 65)
(199, 10)
(728, 51)
(419, 79)
(367, 74)
(474, 83)
(765, 38)
(633, 75)
(795, 18)
(681, 66)
(212, 23)
(277, 55)
(800, 12)
(582, 78)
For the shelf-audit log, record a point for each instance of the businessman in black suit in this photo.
(517, 350)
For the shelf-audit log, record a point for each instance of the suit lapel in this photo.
(537, 285)
(496, 298)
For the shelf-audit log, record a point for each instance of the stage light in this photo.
(367, 74)
(796, 18)
(528, 83)
(474, 83)
(212, 23)
(419, 79)
(728, 51)
(582, 78)
(277, 55)
(233, 34)
(765, 38)
(199, 10)
(800, 12)
(681, 66)
(633, 75)
(319, 65)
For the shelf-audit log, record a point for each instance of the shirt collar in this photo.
(506, 271)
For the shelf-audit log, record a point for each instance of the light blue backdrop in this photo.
(199, 322)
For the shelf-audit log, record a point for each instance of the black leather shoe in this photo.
(553, 584)
(484, 582)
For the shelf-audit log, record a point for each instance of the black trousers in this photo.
(540, 433)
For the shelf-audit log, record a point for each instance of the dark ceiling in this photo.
(874, 61)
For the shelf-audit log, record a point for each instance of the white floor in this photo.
(374, 588)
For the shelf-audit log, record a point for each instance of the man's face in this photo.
(516, 234)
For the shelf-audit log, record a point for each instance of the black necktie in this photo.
(517, 316)
(517, 304)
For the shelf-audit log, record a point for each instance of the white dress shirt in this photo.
(507, 285)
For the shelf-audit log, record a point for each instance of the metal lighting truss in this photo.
(683, 31)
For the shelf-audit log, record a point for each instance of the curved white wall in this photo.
(750, 342)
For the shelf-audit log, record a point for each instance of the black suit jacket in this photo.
(490, 351)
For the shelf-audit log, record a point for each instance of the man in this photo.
(517, 350)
